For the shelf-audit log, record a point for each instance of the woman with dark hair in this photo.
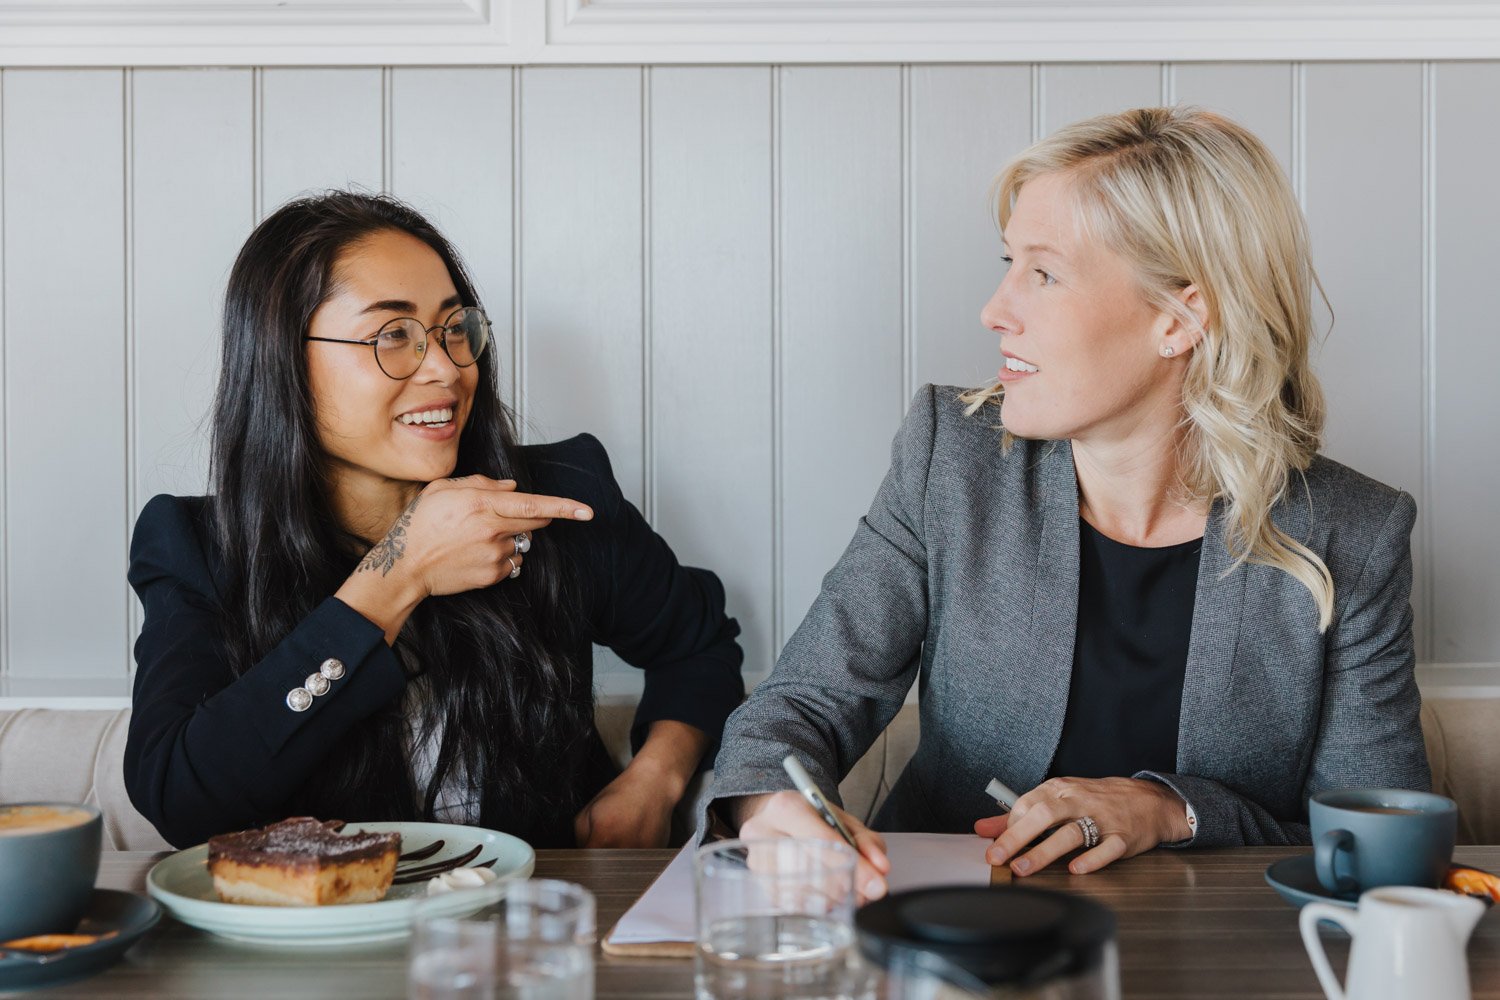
(385, 608)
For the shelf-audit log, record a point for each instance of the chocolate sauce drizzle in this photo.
(422, 873)
(423, 853)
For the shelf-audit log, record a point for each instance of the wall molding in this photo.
(574, 32)
(1017, 30)
(258, 32)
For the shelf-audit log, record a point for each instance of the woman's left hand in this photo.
(1132, 815)
(630, 811)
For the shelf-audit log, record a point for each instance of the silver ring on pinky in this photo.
(1090, 831)
(523, 542)
(515, 569)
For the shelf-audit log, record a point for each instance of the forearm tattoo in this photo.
(392, 547)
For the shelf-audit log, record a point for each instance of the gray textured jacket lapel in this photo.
(1218, 605)
(1054, 609)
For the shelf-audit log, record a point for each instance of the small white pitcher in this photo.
(1408, 944)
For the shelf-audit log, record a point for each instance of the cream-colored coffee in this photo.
(1385, 810)
(39, 819)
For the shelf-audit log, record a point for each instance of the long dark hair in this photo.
(498, 664)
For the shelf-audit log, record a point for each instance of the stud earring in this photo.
(1167, 350)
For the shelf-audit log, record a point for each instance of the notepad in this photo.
(661, 921)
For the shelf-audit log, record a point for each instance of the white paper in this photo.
(665, 911)
(919, 860)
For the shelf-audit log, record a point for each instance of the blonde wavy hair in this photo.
(1188, 197)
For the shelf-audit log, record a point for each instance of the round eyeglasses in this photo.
(401, 345)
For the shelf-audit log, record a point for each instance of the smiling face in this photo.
(1081, 344)
(382, 435)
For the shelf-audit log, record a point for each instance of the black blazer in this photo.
(208, 752)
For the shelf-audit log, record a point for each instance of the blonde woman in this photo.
(1122, 578)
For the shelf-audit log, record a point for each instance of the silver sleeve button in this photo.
(299, 699)
(332, 669)
(317, 684)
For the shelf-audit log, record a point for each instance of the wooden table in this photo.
(1192, 924)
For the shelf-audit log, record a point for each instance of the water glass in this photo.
(522, 940)
(775, 921)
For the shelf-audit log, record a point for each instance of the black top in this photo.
(1135, 615)
(209, 753)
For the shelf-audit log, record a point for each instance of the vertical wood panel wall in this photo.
(735, 277)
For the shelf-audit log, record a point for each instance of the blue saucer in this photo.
(127, 915)
(1296, 880)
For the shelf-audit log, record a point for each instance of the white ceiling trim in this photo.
(537, 32)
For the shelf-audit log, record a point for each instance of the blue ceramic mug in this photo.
(49, 858)
(1369, 837)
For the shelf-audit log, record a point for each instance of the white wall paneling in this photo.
(586, 32)
(1363, 191)
(191, 145)
(192, 149)
(1069, 93)
(4, 478)
(733, 275)
(581, 226)
(1257, 95)
(964, 122)
(842, 347)
(582, 358)
(449, 155)
(1464, 408)
(320, 128)
(710, 332)
(65, 372)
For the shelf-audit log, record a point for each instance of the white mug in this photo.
(1408, 944)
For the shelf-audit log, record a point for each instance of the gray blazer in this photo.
(963, 578)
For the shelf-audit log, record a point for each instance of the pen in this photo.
(815, 798)
(1001, 793)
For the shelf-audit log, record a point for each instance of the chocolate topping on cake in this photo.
(300, 840)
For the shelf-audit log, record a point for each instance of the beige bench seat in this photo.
(76, 755)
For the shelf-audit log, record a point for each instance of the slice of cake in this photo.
(302, 862)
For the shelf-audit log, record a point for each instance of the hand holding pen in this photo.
(794, 814)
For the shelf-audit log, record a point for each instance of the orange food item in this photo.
(1473, 882)
(302, 862)
(55, 942)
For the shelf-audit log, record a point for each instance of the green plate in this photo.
(183, 886)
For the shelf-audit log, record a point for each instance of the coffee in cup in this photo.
(1372, 837)
(16, 820)
(49, 858)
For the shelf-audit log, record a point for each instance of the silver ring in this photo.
(523, 542)
(515, 569)
(1090, 831)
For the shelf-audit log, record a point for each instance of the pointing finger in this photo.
(533, 506)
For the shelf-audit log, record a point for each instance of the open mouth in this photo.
(1017, 365)
(439, 417)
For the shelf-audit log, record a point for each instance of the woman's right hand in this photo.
(788, 814)
(455, 535)
(460, 534)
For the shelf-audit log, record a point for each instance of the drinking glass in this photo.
(523, 940)
(775, 921)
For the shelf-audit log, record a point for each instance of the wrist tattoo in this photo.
(392, 547)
